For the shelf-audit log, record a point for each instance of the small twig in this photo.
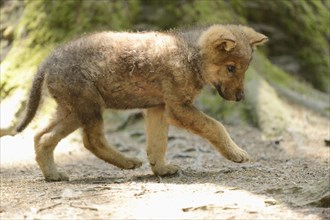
(160, 179)
(83, 207)
(48, 207)
(142, 192)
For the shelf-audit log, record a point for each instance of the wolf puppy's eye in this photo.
(231, 68)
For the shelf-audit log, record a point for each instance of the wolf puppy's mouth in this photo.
(218, 87)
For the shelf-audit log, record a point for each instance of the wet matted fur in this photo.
(160, 72)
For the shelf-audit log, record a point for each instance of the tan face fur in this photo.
(227, 53)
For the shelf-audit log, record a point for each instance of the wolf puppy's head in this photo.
(227, 52)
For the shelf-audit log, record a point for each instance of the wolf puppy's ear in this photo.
(227, 41)
(254, 37)
(217, 37)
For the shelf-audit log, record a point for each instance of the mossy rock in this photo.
(288, 86)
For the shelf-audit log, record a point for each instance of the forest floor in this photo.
(288, 179)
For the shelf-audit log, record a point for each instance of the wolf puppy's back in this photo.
(124, 67)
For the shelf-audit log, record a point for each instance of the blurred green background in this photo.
(292, 69)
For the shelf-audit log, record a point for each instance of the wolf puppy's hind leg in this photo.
(157, 132)
(95, 141)
(46, 140)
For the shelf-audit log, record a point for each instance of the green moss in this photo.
(275, 74)
(165, 14)
(210, 12)
(18, 67)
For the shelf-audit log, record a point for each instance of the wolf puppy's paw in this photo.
(164, 170)
(58, 176)
(132, 163)
(237, 155)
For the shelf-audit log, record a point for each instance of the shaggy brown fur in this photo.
(161, 72)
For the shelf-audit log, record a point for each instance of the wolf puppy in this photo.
(160, 72)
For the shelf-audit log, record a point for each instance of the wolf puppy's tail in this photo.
(34, 100)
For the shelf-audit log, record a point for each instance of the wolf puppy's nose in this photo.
(240, 96)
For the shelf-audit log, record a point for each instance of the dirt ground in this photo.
(288, 179)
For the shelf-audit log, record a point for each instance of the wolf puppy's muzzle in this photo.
(238, 96)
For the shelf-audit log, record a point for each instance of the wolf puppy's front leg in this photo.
(190, 118)
(157, 131)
